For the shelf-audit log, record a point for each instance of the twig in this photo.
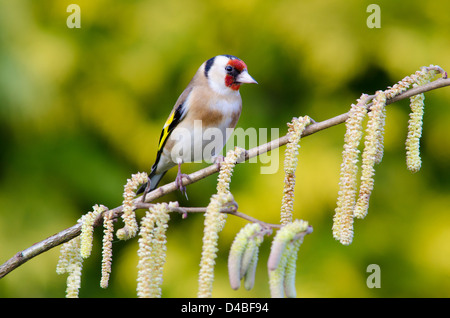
(69, 233)
(229, 210)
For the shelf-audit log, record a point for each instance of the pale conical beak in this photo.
(244, 77)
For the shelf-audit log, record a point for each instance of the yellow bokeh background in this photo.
(81, 110)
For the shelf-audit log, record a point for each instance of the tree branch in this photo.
(229, 210)
(66, 235)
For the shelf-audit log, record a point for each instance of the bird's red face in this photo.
(226, 74)
(234, 68)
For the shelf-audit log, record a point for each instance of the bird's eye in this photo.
(228, 68)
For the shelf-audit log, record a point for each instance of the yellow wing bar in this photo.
(165, 131)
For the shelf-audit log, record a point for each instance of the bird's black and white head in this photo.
(226, 73)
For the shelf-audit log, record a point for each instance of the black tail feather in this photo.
(154, 181)
(141, 188)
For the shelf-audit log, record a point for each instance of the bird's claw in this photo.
(179, 183)
(147, 190)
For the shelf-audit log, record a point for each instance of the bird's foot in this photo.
(147, 190)
(179, 183)
(179, 180)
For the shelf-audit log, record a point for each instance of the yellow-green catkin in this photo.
(413, 160)
(152, 250)
(226, 169)
(74, 251)
(71, 262)
(291, 268)
(295, 130)
(215, 221)
(145, 265)
(276, 278)
(373, 149)
(108, 230)
(213, 225)
(343, 217)
(131, 227)
(281, 263)
(224, 178)
(347, 206)
(249, 271)
(87, 230)
(425, 75)
(243, 252)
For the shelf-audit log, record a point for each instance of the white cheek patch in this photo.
(217, 83)
(216, 76)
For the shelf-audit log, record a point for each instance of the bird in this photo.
(210, 106)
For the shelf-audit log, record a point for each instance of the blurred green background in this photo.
(81, 110)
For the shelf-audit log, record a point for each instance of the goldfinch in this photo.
(202, 119)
